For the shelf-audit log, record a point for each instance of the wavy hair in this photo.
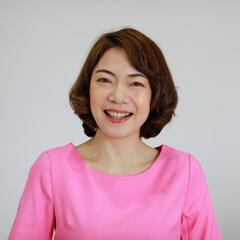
(146, 57)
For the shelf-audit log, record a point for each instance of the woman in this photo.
(114, 186)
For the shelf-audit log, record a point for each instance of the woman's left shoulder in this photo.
(178, 156)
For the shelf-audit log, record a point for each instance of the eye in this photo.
(137, 84)
(104, 80)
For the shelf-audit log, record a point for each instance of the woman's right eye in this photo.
(103, 80)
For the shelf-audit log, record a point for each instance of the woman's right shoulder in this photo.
(46, 158)
(59, 150)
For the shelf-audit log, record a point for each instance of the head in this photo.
(146, 57)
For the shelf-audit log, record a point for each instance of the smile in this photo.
(116, 115)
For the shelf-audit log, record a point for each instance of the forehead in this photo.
(115, 58)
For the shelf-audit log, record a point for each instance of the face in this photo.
(120, 96)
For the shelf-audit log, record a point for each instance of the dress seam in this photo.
(189, 177)
(51, 178)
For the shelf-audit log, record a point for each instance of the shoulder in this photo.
(183, 163)
(47, 157)
(179, 157)
(174, 154)
(59, 150)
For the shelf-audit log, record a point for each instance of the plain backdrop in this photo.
(43, 45)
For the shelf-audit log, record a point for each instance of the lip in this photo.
(114, 120)
(117, 111)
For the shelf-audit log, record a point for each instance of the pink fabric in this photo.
(169, 201)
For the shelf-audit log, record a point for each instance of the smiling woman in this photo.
(148, 62)
(121, 103)
(114, 186)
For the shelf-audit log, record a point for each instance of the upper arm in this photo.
(35, 215)
(198, 218)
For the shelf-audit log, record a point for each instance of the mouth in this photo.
(117, 115)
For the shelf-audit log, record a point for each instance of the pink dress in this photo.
(168, 201)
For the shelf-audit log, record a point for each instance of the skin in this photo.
(117, 148)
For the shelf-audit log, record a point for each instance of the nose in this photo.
(118, 94)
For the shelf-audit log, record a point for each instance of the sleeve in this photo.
(35, 215)
(198, 220)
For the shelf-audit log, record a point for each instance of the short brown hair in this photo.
(146, 57)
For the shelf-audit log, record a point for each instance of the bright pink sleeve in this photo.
(198, 218)
(35, 215)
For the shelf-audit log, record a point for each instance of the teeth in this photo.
(118, 115)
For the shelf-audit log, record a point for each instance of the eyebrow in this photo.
(113, 74)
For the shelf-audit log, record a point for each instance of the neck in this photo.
(118, 151)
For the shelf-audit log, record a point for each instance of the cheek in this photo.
(93, 94)
(145, 100)
(92, 99)
(96, 99)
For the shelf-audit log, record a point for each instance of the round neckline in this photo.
(161, 149)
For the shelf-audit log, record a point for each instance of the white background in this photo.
(42, 47)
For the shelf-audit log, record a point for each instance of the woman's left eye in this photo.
(138, 84)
